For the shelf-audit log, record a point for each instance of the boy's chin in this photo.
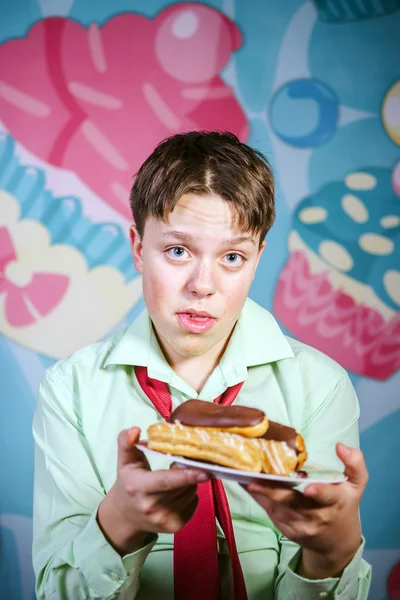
(192, 348)
(192, 345)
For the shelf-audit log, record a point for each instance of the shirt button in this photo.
(323, 594)
(113, 576)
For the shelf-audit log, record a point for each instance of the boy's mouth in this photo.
(197, 313)
(196, 321)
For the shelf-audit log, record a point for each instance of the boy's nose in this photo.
(202, 283)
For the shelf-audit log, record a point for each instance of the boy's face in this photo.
(197, 270)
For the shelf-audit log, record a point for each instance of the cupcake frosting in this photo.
(101, 243)
(64, 281)
(353, 226)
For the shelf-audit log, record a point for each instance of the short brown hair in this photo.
(205, 162)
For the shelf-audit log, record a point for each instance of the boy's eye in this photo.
(176, 252)
(233, 258)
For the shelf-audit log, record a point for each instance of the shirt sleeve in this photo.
(71, 557)
(352, 585)
(332, 418)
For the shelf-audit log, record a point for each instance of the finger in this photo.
(204, 477)
(265, 502)
(177, 520)
(354, 463)
(128, 453)
(324, 494)
(269, 485)
(156, 482)
(175, 465)
(274, 493)
(181, 498)
(190, 509)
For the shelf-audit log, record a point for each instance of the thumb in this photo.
(128, 453)
(354, 465)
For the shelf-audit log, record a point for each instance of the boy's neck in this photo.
(195, 370)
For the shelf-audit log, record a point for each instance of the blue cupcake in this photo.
(340, 290)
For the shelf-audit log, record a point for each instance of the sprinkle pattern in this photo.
(360, 181)
(355, 208)
(353, 225)
(376, 244)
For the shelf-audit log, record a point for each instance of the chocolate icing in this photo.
(281, 433)
(198, 413)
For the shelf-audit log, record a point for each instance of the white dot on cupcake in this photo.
(355, 208)
(391, 281)
(374, 243)
(360, 181)
(336, 255)
(18, 274)
(390, 221)
(313, 214)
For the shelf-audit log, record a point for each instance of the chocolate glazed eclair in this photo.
(233, 436)
(283, 448)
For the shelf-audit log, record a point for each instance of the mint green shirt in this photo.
(87, 399)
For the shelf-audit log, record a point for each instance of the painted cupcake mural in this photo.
(340, 288)
(65, 282)
(96, 100)
(343, 11)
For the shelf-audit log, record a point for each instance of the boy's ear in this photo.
(136, 248)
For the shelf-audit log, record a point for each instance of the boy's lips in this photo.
(196, 313)
(196, 321)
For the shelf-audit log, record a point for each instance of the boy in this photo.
(107, 526)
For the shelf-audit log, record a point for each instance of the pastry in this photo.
(207, 444)
(249, 422)
(283, 449)
(233, 436)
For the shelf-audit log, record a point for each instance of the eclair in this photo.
(249, 422)
(206, 444)
(283, 449)
(233, 436)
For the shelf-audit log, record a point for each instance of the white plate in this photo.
(315, 473)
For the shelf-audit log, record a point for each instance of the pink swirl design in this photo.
(353, 334)
(97, 100)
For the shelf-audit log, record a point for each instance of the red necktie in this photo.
(196, 574)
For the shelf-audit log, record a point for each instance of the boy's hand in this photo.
(142, 501)
(324, 520)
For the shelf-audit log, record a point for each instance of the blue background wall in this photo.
(83, 100)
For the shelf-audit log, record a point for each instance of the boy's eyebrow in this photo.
(180, 235)
(187, 237)
(239, 239)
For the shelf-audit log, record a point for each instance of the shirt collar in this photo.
(256, 340)
(138, 346)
